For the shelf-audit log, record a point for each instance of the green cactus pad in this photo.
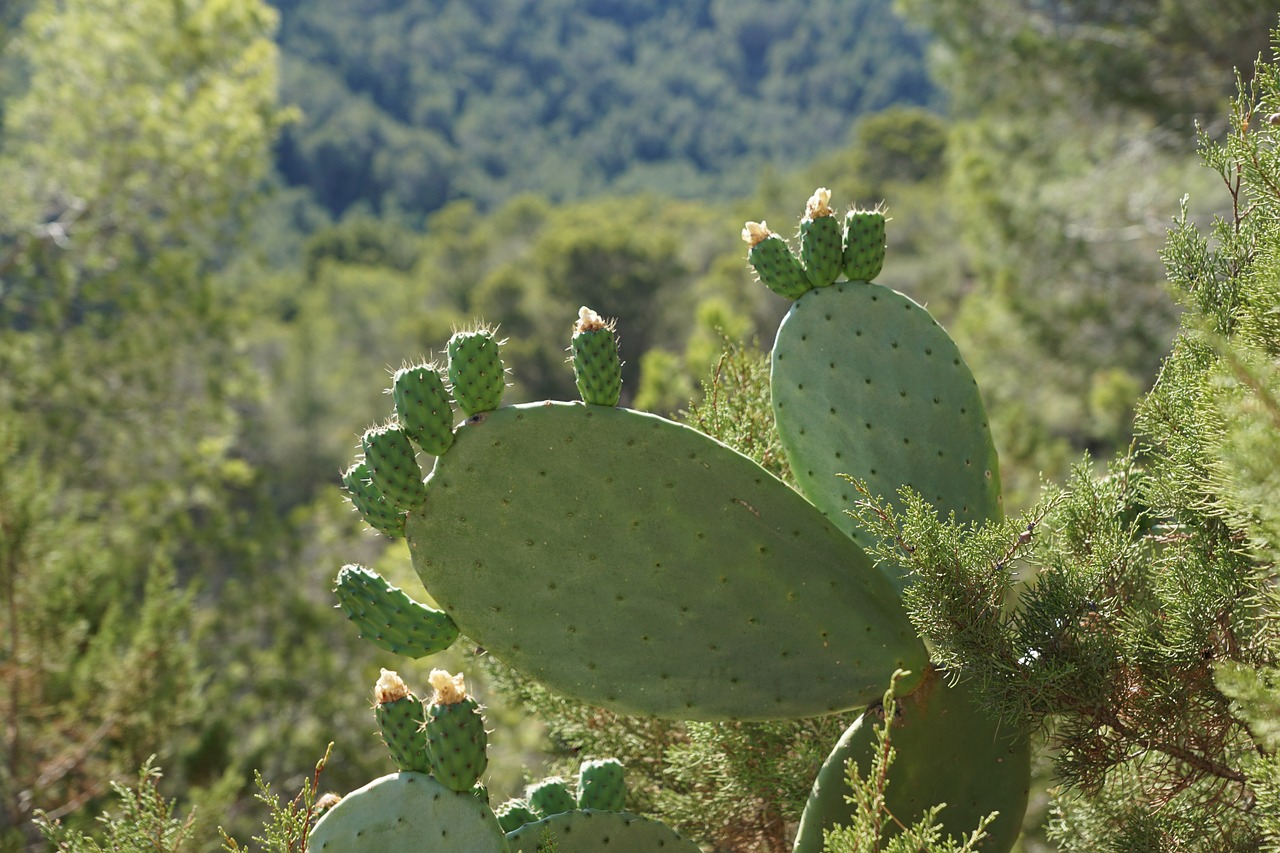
(475, 371)
(514, 814)
(456, 739)
(389, 618)
(635, 563)
(774, 262)
(821, 243)
(393, 465)
(866, 383)
(597, 370)
(949, 750)
(423, 408)
(589, 831)
(863, 252)
(550, 796)
(400, 716)
(374, 508)
(602, 785)
(407, 813)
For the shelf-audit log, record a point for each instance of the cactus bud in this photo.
(863, 244)
(400, 718)
(455, 733)
(475, 370)
(422, 407)
(774, 262)
(821, 251)
(373, 506)
(596, 366)
(393, 466)
(550, 796)
(602, 785)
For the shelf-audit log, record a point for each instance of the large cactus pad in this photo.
(949, 750)
(635, 563)
(866, 383)
(407, 813)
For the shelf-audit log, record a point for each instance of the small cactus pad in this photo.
(774, 262)
(393, 465)
(456, 739)
(949, 750)
(423, 408)
(550, 796)
(374, 508)
(821, 247)
(596, 366)
(863, 244)
(865, 383)
(634, 563)
(400, 718)
(589, 831)
(602, 785)
(407, 813)
(389, 618)
(475, 370)
(514, 814)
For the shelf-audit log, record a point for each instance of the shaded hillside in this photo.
(411, 103)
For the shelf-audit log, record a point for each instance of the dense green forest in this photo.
(223, 223)
(408, 106)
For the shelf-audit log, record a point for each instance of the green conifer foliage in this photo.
(1147, 628)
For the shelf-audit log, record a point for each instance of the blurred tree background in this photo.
(222, 223)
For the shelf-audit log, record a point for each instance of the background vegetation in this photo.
(222, 222)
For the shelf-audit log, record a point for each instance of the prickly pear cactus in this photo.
(636, 564)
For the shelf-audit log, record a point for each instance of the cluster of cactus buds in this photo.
(634, 563)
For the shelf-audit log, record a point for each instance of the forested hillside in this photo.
(408, 105)
(224, 223)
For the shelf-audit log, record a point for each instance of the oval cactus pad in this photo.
(866, 383)
(635, 563)
(407, 813)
